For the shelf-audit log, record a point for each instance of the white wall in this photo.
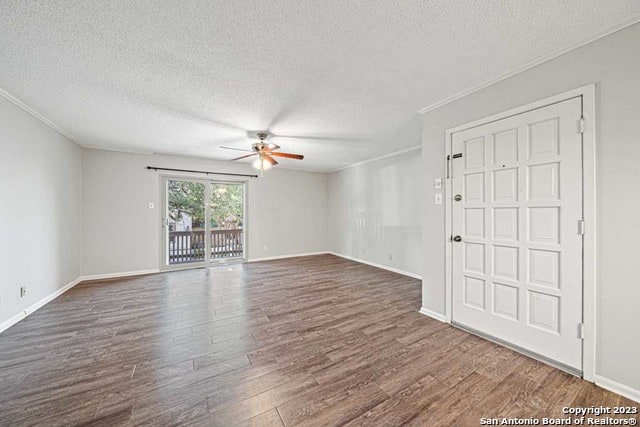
(614, 63)
(375, 212)
(287, 210)
(40, 210)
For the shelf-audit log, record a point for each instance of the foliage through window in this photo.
(186, 201)
(226, 206)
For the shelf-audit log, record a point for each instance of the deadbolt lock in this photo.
(456, 238)
(457, 197)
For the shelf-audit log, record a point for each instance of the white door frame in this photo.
(162, 179)
(587, 94)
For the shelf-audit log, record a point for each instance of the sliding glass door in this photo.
(185, 222)
(204, 221)
(226, 217)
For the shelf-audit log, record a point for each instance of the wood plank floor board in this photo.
(249, 383)
(232, 412)
(333, 402)
(445, 405)
(271, 418)
(401, 407)
(316, 340)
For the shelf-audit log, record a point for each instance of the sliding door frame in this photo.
(244, 185)
(163, 262)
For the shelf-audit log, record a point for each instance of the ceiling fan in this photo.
(265, 152)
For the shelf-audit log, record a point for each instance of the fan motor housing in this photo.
(259, 146)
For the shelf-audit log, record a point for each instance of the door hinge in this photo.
(581, 125)
(581, 227)
(581, 331)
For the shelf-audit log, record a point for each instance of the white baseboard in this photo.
(286, 256)
(24, 313)
(433, 314)
(116, 275)
(373, 264)
(616, 387)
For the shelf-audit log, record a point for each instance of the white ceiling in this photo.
(187, 77)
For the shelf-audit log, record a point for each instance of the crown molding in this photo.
(540, 60)
(384, 156)
(39, 116)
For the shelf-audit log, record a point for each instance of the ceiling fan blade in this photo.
(273, 147)
(270, 160)
(243, 157)
(237, 149)
(288, 155)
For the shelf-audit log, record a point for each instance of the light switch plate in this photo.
(152, 205)
(437, 199)
(437, 183)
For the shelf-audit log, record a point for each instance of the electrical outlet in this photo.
(23, 291)
(390, 257)
(152, 205)
(364, 251)
(0, 303)
(265, 248)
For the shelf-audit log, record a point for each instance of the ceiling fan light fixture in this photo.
(262, 164)
(264, 151)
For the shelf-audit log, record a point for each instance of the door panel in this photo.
(185, 225)
(226, 213)
(517, 271)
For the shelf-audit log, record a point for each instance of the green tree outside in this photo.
(226, 203)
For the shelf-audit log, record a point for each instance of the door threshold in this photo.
(226, 261)
(204, 265)
(540, 358)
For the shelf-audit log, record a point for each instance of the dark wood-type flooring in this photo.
(305, 341)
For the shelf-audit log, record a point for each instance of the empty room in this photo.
(292, 213)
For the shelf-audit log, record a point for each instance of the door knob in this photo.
(456, 238)
(457, 197)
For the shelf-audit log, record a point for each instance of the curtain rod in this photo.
(204, 172)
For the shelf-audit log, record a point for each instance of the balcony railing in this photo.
(189, 246)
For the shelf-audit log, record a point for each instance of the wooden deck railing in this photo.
(189, 246)
(226, 243)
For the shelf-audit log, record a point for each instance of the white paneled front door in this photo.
(517, 250)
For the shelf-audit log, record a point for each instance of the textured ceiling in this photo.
(346, 77)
